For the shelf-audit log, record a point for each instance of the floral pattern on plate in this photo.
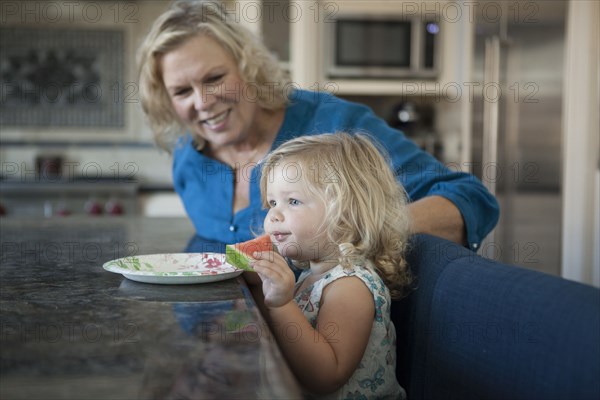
(174, 268)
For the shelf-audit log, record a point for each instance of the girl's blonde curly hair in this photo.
(365, 206)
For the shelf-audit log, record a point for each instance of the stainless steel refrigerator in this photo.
(517, 125)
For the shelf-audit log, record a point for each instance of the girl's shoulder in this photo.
(365, 273)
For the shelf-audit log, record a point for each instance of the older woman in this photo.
(216, 97)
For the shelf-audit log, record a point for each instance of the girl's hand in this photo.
(278, 278)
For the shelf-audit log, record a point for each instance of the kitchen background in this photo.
(85, 149)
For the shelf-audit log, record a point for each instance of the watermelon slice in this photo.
(239, 255)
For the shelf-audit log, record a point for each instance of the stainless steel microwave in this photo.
(384, 47)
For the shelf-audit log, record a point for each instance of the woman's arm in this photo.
(424, 178)
(438, 216)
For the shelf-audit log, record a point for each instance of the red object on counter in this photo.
(63, 212)
(93, 207)
(114, 207)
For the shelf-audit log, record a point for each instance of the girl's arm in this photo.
(323, 359)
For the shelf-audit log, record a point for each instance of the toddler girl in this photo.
(336, 210)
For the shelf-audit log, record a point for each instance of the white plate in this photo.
(175, 268)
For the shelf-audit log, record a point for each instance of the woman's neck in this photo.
(255, 145)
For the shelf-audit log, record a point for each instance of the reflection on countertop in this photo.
(72, 330)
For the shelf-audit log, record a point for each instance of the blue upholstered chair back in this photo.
(478, 329)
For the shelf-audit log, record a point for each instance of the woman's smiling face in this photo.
(208, 92)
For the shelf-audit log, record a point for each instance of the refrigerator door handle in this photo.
(490, 109)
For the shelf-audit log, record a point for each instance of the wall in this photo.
(581, 145)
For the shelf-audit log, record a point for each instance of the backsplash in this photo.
(61, 77)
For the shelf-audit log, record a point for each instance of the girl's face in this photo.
(295, 220)
(208, 93)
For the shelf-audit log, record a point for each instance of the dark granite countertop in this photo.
(70, 329)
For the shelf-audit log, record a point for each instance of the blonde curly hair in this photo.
(365, 206)
(187, 19)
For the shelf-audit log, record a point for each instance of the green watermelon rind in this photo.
(237, 258)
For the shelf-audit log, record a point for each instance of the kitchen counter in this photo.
(70, 329)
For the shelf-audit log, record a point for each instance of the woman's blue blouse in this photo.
(206, 185)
